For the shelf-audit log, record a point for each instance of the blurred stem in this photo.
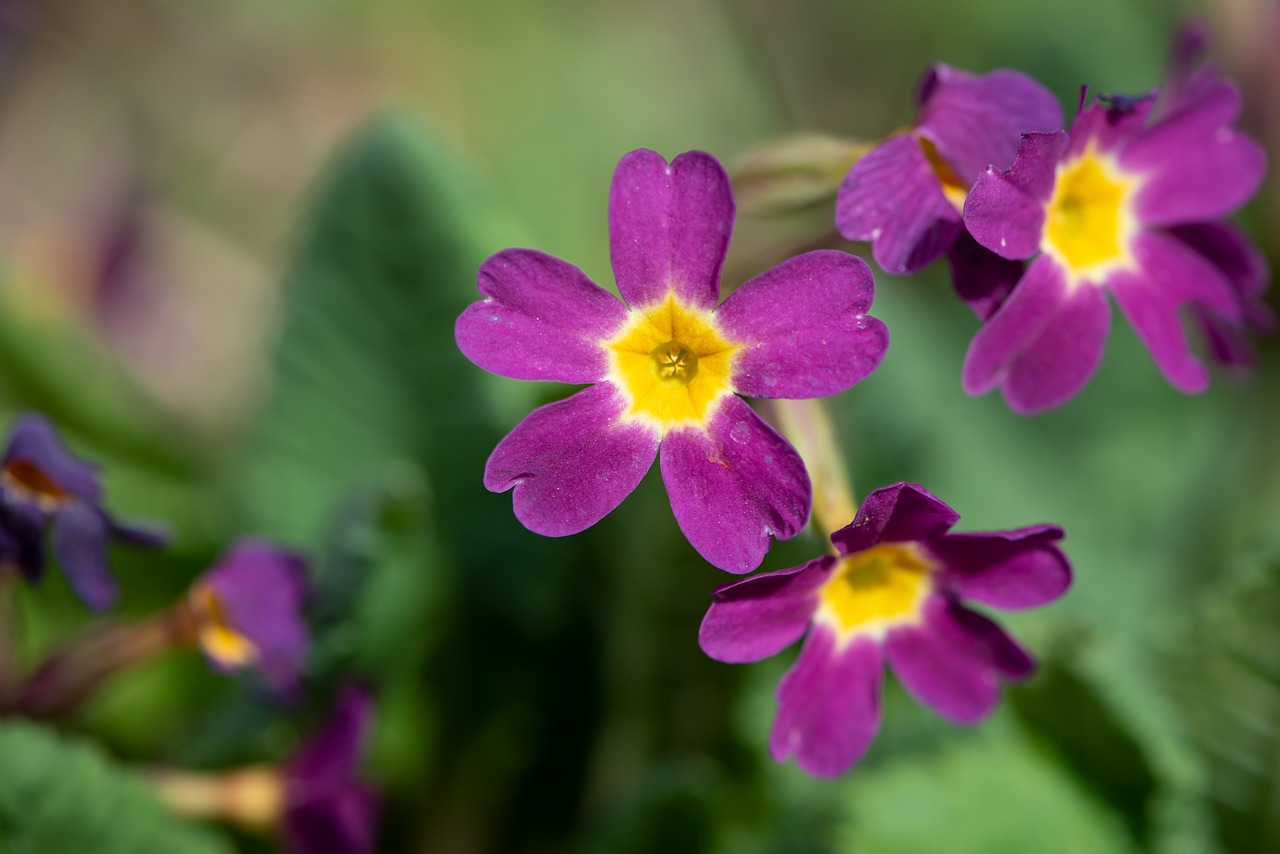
(10, 667)
(252, 797)
(807, 425)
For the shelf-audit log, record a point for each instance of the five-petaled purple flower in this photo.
(41, 486)
(667, 365)
(246, 611)
(906, 194)
(1126, 202)
(893, 589)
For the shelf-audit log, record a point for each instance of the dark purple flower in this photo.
(1119, 204)
(43, 486)
(667, 365)
(905, 196)
(247, 612)
(893, 589)
(327, 808)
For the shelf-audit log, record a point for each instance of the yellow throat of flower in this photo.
(30, 482)
(954, 189)
(215, 634)
(874, 590)
(1088, 223)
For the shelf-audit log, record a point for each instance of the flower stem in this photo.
(807, 425)
(10, 667)
(252, 797)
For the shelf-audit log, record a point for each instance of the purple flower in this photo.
(246, 611)
(667, 365)
(906, 195)
(327, 808)
(894, 589)
(1125, 202)
(43, 486)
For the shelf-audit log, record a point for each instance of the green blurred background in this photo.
(233, 241)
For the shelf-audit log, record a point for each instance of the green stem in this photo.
(10, 630)
(807, 425)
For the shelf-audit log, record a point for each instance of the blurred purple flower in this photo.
(43, 486)
(894, 589)
(667, 365)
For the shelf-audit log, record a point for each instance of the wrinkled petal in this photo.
(1109, 121)
(1005, 211)
(976, 122)
(1043, 344)
(1005, 569)
(80, 533)
(980, 277)
(570, 462)
(892, 198)
(734, 486)
(541, 319)
(755, 618)
(952, 661)
(35, 443)
(804, 327)
(828, 704)
(903, 512)
(669, 227)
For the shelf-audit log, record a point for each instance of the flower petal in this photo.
(893, 198)
(35, 442)
(755, 618)
(333, 753)
(804, 327)
(953, 660)
(976, 121)
(1005, 211)
(903, 512)
(1043, 344)
(1006, 569)
(1109, 121)
(734, 486)
(1229, 248)
(541, 319)
(828, 704)
(669, 227)
(24, 526)
(981, 277)
(570, 462)
(80, 533)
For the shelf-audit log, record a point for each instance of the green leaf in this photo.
(60, 796)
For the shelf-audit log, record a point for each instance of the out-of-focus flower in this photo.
(43, 486)
(1120, 203)
(246, 611)
(893, 589)
(668, 365)
(905, 195)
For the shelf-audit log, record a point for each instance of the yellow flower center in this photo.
(874, 590)
(952, 187)
(673, 364)
(1088, 222)
(215, 634)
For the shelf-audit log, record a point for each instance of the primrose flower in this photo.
(893, 589)
(906, 195)
(43, 486)
(1125, 203)
(667, 365)
(246, 611)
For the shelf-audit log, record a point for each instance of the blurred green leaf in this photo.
(61, 796)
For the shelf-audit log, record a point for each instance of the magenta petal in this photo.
(541, 319)
(1043, 344)
(734, 486)
(953, 660)
(1006, 569)
(903, 512)
(1106, 123)
(828, 704)
(1005, 211)
(893, 198)
(1228, 247)
(977, 121)
(804, 327)
(570, 462)
(980, 277)
(755, 618)
(669, 227)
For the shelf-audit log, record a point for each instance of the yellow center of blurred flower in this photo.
(30, 483)
(955, 190)
(874, 590)
(215, 634)
(672, 363)
(1089, 224)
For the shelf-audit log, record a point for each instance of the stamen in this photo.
(673, 362)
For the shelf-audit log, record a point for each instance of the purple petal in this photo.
(980, 277)
(571, 462)
(334, 752)
(1106, 123)
(755, 618)
(80, 533)
(893, 198)
(669, 227)
(541, 319)
(901, 513)
(953, 660)
(1043, 344)
(976, 121)
(734, 486)
(343, 822)
(1006, 569)
(35, 443)
(148, 534)
(24, 526)
(1005, 211)
(804, 327)
(828, 704)
(1229, 248)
